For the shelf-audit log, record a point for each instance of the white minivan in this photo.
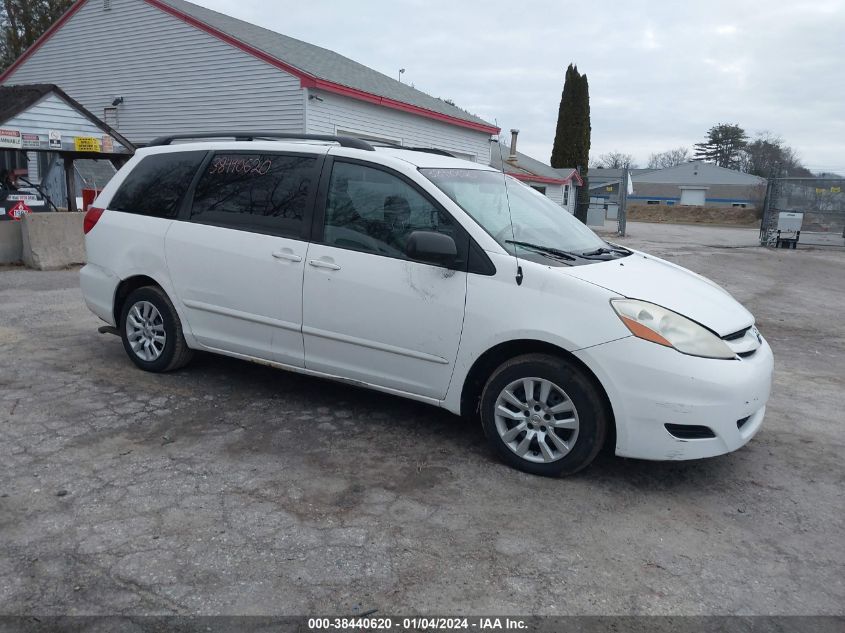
(418, 274)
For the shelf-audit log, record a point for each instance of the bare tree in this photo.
(614, 160)
(768, 155)
(669, 158)
(22, 22)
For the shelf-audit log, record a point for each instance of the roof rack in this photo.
(426, 150)
(343, 141)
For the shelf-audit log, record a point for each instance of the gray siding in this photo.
(52, 113)
(174, 78)
(336, 112)
(698, 173)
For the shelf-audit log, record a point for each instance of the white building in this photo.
(558, 184)
(158, 67)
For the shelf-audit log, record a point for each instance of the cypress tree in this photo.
(572, 138)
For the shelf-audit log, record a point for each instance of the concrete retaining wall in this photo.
(52, 240)
(11, 243)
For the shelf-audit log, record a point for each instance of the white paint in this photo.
(693, 196)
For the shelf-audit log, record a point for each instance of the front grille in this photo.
(741, 422)
(736, 335)
(690, 431)
(746, 354)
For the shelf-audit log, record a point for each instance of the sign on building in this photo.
(10, 139)
(86, 144)
(55, 141)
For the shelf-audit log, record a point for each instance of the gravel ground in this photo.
(232, 488)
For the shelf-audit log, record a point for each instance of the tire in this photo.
(574, 412)
(160, 321)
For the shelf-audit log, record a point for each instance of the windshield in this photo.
(536, 219)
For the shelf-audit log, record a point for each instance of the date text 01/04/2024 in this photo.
(416, 623)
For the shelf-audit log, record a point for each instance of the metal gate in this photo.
(815, 205)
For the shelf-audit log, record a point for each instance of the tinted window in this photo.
(371, 210)
(262, 192)
(156, 185)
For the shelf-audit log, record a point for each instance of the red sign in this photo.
(19, 210)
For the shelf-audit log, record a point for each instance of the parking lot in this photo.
(233, 488)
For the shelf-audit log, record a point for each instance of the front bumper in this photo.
(650, 386)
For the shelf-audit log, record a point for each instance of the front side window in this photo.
(371, 210)
(157, 184)
(260, 192)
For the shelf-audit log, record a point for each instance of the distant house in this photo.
(558, 184)
(158, 67)
(698, 184)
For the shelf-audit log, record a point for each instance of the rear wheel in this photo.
(151, 331)
(543, 415)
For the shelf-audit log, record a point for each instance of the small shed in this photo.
(39, 122)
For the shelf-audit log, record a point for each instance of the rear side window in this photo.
(157, 184)
(266, 193)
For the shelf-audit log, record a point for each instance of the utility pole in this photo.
(622, 221)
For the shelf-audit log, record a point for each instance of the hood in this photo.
(641, 276)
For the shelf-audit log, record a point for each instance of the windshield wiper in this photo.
(548, 250)
(603, 250)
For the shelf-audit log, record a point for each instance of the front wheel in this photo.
(151, 331)
(544, 415)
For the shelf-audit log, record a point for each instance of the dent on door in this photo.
(384, 321)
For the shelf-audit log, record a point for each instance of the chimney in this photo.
(514, 134)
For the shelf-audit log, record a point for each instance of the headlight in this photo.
(664, 327)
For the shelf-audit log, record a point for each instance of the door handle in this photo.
(319, 263)
(291, 257)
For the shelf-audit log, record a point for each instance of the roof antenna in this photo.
(498, 142)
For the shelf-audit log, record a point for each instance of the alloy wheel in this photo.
(536, 420)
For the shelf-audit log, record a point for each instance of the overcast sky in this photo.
(660, 73)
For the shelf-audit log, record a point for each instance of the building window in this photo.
(462, 156)
(369, 137)
(110, 116)
(539, 188)
(566, 195)
(652, 202)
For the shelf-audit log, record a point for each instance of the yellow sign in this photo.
(609, 188)
(86, 144)
(820, 190)
(836, 190)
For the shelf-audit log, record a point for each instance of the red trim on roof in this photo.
(306, 80)
(44, 37)
(354, 93)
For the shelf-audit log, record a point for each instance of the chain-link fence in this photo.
(804, 211)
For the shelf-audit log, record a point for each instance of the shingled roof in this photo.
(318, 67)
(531, 169)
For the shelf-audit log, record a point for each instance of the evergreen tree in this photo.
(572, 138)
(723, 146)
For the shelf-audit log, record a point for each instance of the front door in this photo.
(237, 264)
(369, 312)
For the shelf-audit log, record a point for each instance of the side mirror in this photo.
(431, 248)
